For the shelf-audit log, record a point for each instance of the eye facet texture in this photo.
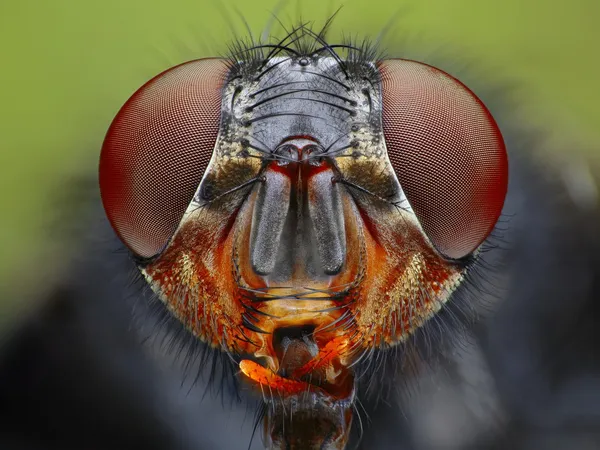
(156, 152)
(447, 152)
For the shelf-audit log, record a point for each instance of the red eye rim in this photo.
(156, 151)
(424, 110)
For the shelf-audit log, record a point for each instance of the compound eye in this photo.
(157, 150)
(447, 153)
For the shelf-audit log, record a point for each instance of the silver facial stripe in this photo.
(268, 220)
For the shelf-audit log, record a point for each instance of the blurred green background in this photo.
(68, 65)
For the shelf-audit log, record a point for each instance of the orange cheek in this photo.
(194, 278)
(406, 281)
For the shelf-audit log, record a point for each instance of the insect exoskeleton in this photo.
(301, 209)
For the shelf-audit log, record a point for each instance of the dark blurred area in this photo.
(88, 362)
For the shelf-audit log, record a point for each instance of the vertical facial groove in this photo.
(269, 216)
(325, 208)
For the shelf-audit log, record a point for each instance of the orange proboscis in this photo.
(333, 348)
(266, 377)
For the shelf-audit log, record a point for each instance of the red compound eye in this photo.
(447, 152)
(157, 150)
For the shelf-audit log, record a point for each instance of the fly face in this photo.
(301, 211)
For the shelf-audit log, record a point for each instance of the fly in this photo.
(350, 196)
